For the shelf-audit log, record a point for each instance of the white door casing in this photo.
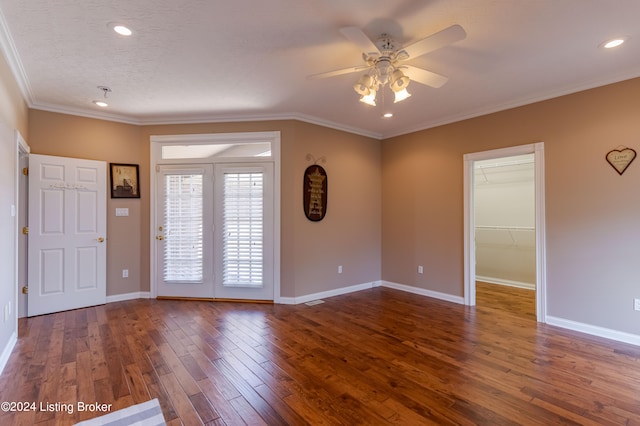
(67, 234)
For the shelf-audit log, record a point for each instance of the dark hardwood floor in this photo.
(517, 301)
(378, 356)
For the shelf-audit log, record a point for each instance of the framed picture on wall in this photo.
(124, 181)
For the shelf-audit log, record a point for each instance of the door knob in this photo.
(100, 240)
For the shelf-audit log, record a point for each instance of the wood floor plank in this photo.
(135, 381)
(85, 385)
(221, 405)
(378, 356)
(203, 407)
(180, 400)
(176, 368)
(249, 394)
(156, 390)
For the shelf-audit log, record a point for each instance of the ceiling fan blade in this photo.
(338, 72)
(360, 39)
(423, 76)
(436, 41)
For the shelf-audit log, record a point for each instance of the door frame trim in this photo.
(469, 222)
(156, 142)
(22, 152)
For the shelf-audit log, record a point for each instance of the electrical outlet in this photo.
(636, 304)
(420, 269)
(125, 273)
(339, 269)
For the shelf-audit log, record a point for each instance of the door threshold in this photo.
(213, 299)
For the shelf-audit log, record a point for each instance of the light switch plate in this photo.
(122, 211)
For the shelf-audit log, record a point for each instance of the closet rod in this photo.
(505, 164)
(508, 228)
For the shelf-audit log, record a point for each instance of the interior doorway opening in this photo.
(528, 233)
(504, 206)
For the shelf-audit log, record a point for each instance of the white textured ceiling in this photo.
(205, 60)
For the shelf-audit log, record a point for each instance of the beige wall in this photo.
(13, 115)
(399, 206)
(310, 251)
(592, 213)
(78, 137)
(350, 234)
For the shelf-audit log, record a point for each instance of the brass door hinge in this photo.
(25, 230)
(25, 171)
(25, 289)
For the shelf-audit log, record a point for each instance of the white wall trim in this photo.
(129, 296)
(424, 292)
(594, 330)
(6, 353)
(326, 294)
(510, 283)
(367, 286)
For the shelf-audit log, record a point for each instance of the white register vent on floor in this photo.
(314, 302)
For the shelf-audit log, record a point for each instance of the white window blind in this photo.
(243, 243)
(183, 228)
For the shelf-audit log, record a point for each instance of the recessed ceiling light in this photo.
(121, 29)
(387, 115)
(102, 104)
(610, 44)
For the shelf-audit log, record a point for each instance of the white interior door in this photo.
(244, 218)
(184, 234)
(67, 234)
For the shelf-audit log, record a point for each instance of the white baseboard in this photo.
(424, 292)
(510, 283)
(594, 330)
(6, 353)
(366, 286)
(325, 294)
(128, 296)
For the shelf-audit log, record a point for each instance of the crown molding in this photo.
(491, 109)
(10, 53)
(204, 119)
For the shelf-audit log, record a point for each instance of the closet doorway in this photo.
(504, 197)
(504, 230)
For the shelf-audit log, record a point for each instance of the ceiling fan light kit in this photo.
(364, 85)
(369, 99)
(383, 59)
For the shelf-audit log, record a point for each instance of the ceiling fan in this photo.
(384, 59)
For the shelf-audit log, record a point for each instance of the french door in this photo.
(215, 231)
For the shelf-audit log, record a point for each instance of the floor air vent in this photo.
(314, 302)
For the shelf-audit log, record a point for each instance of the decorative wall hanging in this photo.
(125, 181)
(620, 158)
(315, 190)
